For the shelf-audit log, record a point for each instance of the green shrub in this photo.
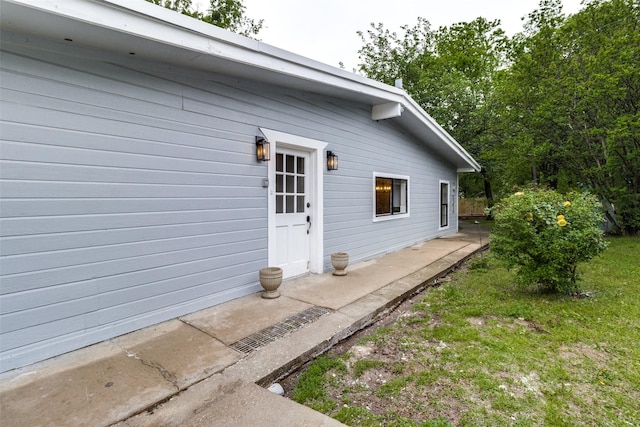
(544, 235)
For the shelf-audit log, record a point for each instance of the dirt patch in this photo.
(387, 385)
(580, 351)
(404, 310)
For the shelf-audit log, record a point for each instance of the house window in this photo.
(391, 196)
(444, 204)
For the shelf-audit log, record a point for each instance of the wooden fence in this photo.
(471, 208)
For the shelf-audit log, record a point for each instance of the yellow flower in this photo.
(519, 193)
(560, 217)
(567, 203)
(562, 222)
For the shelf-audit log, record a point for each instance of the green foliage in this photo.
(449, 72)
(181, 6)
(545, 235)
(556, 105)
(228, 14)
(570, 105)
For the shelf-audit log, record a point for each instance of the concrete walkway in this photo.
(207, 368)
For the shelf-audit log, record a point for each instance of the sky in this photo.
(325, 30)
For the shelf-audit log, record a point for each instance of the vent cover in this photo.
(280, 329)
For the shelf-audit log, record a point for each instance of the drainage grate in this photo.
(280, 329)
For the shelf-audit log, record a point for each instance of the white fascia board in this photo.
(147, 21)
(444, 136)
(143, 20)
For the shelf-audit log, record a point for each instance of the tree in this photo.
(450, 73)
(180, 6)
(572, 96)
(228, 14)
(524, 104)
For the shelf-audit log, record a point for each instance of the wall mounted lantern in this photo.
(332, 161)
(263, 151)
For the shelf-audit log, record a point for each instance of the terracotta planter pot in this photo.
(270, 279)
(339, 261)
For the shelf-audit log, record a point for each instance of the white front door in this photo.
(292, 211)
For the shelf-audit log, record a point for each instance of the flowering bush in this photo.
(544, 235)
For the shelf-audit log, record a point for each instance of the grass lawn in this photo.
(478, 351)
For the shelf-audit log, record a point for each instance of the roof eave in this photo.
(161, 34)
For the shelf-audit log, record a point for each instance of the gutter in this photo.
(142, 20)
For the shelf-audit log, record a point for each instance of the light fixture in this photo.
(263, 153)
(332, 161)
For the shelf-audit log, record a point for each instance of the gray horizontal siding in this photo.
(131, 193)
(119, 207)
(348, 195)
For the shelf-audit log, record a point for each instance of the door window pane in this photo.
(290, 164)
(300, 169)
(279, 162)
(290, 204)
(279, 204)
(290, 184)
(300, 203)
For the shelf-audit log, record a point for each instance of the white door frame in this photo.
(315, 149)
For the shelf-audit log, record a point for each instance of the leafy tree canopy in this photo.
(227, 14)
(450, 73)
(556, 105)
(573, 90)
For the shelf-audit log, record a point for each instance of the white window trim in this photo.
(373, 189)
(440, 227)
